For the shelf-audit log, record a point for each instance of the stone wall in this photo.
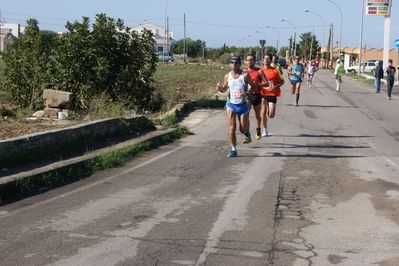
(107, 127)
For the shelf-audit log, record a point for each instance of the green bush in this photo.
(225, 58)
(90, 60)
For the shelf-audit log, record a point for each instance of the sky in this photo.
(222, 22)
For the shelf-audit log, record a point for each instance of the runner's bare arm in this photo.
(222, 87)
(289, 71)
(265, 82)
(281, 83)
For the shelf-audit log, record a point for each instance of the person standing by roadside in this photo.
(295, 72)
(390, 71)
(270, 93)
(255, 98)
(338, 75)
(378, 75)
(236, 82)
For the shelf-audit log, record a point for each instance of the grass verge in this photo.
(43, 182)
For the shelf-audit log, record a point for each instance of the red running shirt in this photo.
(255, 78)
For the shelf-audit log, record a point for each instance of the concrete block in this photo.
(51, 112)
(57, 99)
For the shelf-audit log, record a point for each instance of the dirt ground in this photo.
(12, 126)
(16, 127)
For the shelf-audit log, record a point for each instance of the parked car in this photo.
(368, 66)
(282, 62)
(165, 56)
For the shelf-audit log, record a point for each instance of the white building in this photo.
(163, 38)
(8, 33)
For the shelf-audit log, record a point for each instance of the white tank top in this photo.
(311, 69)
(236, 88)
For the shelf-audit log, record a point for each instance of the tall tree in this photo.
(308, 45)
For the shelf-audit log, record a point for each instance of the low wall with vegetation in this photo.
(20, 147)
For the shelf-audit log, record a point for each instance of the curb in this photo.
(11, 185)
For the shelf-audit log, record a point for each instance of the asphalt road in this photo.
(322, 189)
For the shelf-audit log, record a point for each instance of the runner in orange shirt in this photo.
(255, 98)
(270, 94)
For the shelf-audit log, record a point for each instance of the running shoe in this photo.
(232, 154)
(247, 139)
(264, 133)
(258, 135)
(296, 104)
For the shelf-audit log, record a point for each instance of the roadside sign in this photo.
(262, 42)
(397, 43)
(378, 7)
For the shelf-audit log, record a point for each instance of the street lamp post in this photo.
(324, 29)
(253, 38)
(243, 46)
(277, 34)
(261, 34)
(283, 20)
(340, 29)
(256, 41)
(248, 43)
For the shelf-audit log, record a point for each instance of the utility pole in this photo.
(184, 42)
(331, 41)
(1, 40)
(166, 28)
(311, 45)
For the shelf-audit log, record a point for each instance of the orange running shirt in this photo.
(273, 76)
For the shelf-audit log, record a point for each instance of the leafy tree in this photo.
(225, 58)
(193, 48)
(29, 66)
(283, 50)
(308, 45)
(270, 50)
(218, 52)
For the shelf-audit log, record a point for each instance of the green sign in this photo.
(378, 4)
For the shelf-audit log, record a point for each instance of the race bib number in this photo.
(236, 94)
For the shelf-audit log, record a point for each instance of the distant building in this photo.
(163, 38)
(6, 38)
(8, 33)
(350, 56)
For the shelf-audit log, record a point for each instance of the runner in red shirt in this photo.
(255, 98)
